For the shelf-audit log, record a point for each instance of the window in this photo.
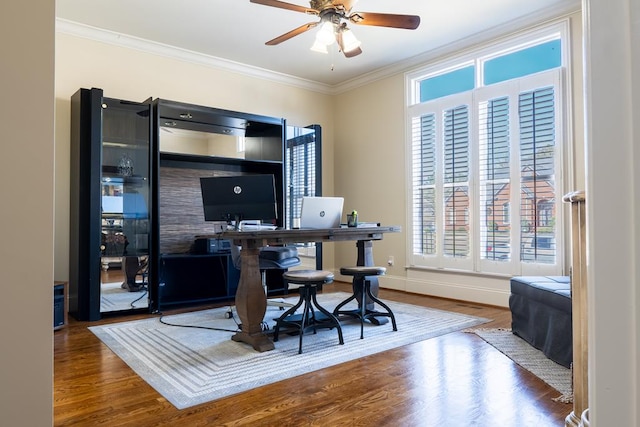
(523, 62)
(452, 82)
(506, 213)
(478, 150)
(545, 213)
(301, 168)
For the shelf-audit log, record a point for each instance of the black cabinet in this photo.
(195, 142)
(60, 308)
(194, 278)
(135, 194)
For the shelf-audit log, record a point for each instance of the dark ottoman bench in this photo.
(541, 314)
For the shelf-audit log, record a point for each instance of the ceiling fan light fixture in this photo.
(326, 34)
(319, 47)
(349, 40)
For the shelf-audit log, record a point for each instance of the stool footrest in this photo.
(313, 316)
(319, 317)
(314, 321)
(362, 289)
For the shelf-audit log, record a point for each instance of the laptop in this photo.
(321, 212)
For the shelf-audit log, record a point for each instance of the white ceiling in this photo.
(236, 30)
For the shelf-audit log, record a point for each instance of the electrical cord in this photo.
(263, 325)
(138, 299)
(200, 327)
(164, 322)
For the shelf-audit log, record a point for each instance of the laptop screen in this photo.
(321, 212)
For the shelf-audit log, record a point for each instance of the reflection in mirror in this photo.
(185, 141)
(261, 141)
(125, 188)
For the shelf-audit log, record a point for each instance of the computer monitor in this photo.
(240, 197)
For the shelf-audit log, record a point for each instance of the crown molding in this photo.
(72, 28)
(76, 29)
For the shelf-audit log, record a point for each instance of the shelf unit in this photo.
(135, 169)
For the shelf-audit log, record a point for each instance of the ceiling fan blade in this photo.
(297, 31)
(284, 5)
(409, 22)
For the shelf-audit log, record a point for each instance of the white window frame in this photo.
(475, 263)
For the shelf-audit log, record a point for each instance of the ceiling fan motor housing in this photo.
(321, 5)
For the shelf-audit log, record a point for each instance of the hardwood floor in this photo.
(453, 380)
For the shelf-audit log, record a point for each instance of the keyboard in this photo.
(256, 227)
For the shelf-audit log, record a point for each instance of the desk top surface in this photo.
(280, 236)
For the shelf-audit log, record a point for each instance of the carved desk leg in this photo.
(251, 302)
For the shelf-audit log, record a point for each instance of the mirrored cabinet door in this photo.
(125, 192)
(110, 193)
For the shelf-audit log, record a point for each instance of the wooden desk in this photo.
(251, 301)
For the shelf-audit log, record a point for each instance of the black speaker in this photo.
(211, 246)
(58, 306)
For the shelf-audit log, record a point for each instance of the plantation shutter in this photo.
(424, 180)
(456, 181)
(495, 185)
(538, 208)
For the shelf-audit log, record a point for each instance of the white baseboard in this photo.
(482, 290)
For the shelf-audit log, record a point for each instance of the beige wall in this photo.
(133, 75)
(26, 213)
(370, 167)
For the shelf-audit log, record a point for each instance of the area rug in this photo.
(200, 363)
(531, 359)
(114, 298)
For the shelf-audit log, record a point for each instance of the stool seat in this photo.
(362, 292)
(318, 277)
(308, 318)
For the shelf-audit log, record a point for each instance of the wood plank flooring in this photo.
(453, 380)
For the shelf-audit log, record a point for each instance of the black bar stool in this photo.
(362, 293)
(309, 318)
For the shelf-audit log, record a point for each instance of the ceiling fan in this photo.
(334, 15)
